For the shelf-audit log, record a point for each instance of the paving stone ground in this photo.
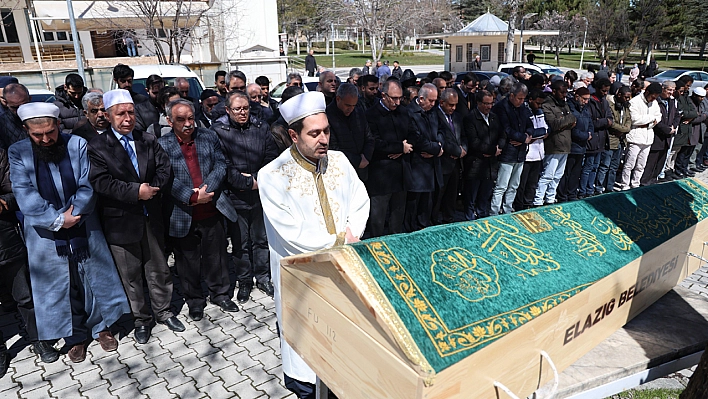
(224, 355)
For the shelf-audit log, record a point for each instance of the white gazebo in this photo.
(486, 37)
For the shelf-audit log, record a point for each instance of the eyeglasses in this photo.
(488, 104)
(239, 88)
(240, 109)
(95, 110)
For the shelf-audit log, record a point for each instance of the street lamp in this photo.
(584, 37)
(521, 47)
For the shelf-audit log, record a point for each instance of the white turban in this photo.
(117, 96)
(37, 110)
(302, 105)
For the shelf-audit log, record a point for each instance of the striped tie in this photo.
(131, 153)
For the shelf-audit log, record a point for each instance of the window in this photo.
(516, 52)
(8, 33)
(485, 52)
(458, 53)
(500, 52)
(56, 36)
(470, 56)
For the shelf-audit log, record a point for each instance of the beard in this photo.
(51, 154)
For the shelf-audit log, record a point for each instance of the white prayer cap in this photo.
(37, 110)
(699, 91)
(302, 105)
(117, 96)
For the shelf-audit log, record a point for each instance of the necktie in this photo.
(131, 153)
(449, 121)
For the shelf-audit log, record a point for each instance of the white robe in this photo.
(295, 223)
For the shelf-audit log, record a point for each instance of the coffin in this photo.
(493, 307)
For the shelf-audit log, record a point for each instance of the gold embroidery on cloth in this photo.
(319, 183)
(586, 243)
(460, 271)
(533, 222)
(384, 310)
(448, 342)
(506, 243)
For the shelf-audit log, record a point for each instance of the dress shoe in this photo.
(77, 353)
(677, 175)
(107, 341)
(173, 324)
(46, 351)
(244, 292)
(689, 173)
(266, 287)
(142, 334)
(196, 314)
(227, 305)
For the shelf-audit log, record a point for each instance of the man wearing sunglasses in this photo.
(97, 117)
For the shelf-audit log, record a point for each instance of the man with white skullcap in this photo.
(130, 171)
(74, 280)
(312, 199)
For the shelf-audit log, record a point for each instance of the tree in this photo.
(646, 20)
(168, 23)
(568, 27)
(607, 24)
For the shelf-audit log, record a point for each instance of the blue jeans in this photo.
(130, 44)
(507, 183)
(588, 173)
(553, 169)
(609, 163)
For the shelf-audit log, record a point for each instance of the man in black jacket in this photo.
(390, 125)
(664, 132)
(349, 132)
(68, 99)
(515, 118)
(454, 149)
(123, 76)
(465, 94)
(368, 91)
(248, 146)
(148, 113)
(426, 173)
(310, 63)
(209, 99)
(602, 120)
(129, 172)
(11, 128)
(485, 138)
(97, 121)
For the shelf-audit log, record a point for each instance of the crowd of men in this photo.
(118, 181)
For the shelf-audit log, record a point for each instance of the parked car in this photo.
(531, 68)
(481, 75)
(168, 73)
(309, 84)
(41, 96)
(700, 79)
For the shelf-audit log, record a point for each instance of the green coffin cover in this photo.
(462, 286)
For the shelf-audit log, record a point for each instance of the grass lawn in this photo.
(648, 394)
(344, 58)
(690, 61)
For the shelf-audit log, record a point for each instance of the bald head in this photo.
(182, 85)
(14, 95)
(328, 83)
(255, 93)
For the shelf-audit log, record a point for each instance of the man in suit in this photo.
(390, 125)
(465, 93)
(198, 210)
(454, 149)
(96, 116)
(11, 128)
(426, 173)
(129, 170)
(485, 138)
(349, 132)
